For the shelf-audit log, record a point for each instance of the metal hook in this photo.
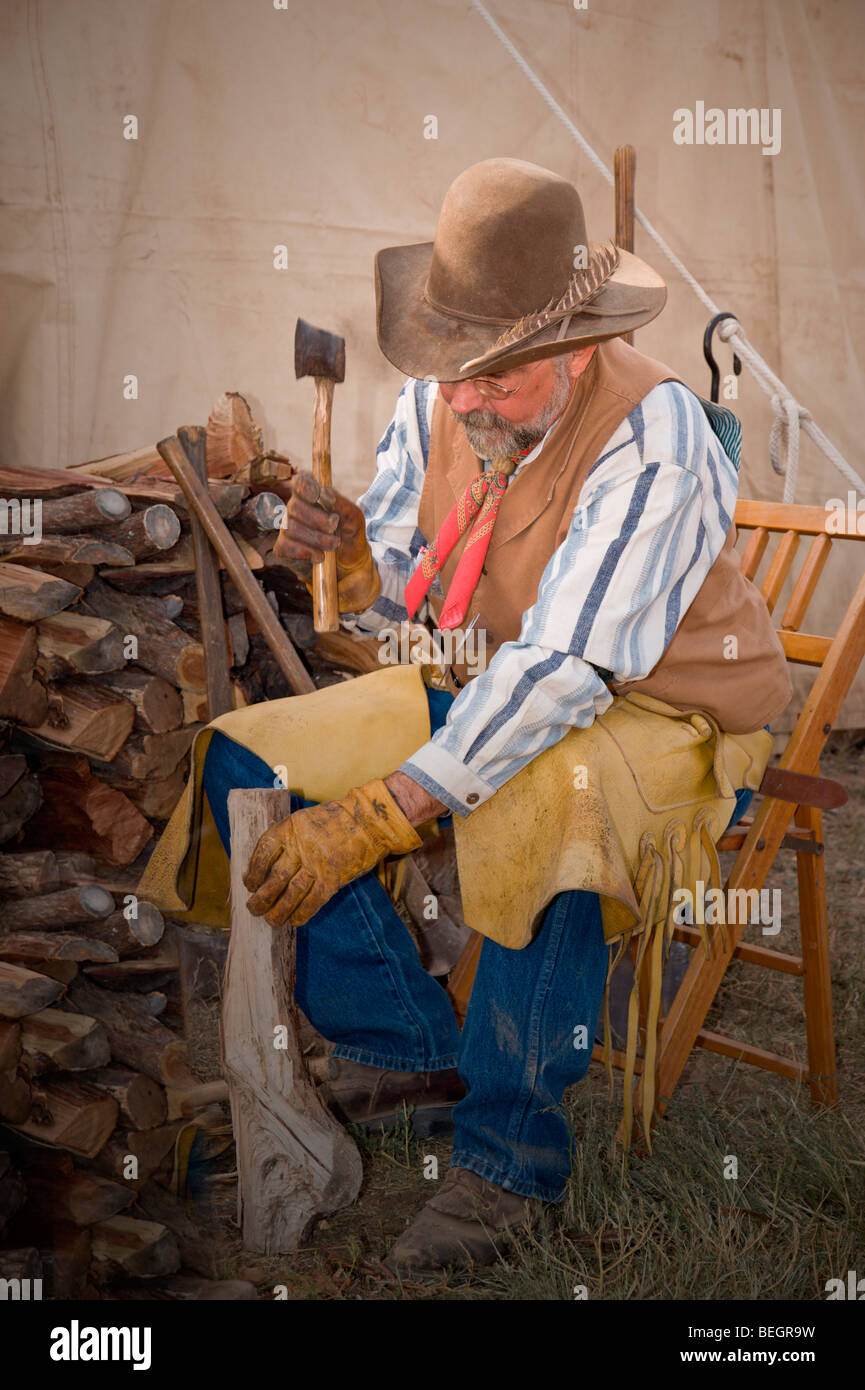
(707, 353)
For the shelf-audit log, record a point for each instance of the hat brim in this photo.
(425, 343)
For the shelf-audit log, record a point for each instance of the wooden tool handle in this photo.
(219, 700)
(221, 539)
(324, 578)
(625, 172)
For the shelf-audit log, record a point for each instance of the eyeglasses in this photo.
(493, 391)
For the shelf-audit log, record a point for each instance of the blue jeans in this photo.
(362, 986)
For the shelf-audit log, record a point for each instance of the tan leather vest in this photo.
(697, 670)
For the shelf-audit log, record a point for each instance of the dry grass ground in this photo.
(672, 1227)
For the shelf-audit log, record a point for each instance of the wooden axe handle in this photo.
(221, 539)
(324, 578)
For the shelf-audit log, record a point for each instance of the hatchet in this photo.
(321, 355)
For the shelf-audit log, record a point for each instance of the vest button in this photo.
(472, 798)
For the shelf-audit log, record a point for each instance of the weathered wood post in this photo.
(295, 1163)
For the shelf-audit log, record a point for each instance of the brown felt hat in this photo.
(498, 286)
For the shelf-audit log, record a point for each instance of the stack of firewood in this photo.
(102, 689)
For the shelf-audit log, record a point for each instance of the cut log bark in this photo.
(147, 533)
(93, 507)
(134, 1156)
(135, 1038)
(128, 935)
(28, 594)
(261, 512)
(57, 1040)
(233, 437)
(125, 1246)
(10, 1044)
(97, 721)
(294, 1162)
(81, 1117)
(227, 498)
(73, 550)
(25, 875)
(13, 1193)
(157, 797)
(16, 1097)
(142, 1102)
(239, 639)
(19, 801)
(120, 467)
(163, 648)
(196, 709)
(158, 707)
(148, 755)
(23, 992)
(73, 643)
(81, 1198)
(22, 697)
(197, 1250)
(28, 948)
(83, 813)
(126, 972)
(186, 1288)
(55, 911)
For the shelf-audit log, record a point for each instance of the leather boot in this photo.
(468, 1222)
(372, 1098)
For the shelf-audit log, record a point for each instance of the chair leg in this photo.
(813, 920)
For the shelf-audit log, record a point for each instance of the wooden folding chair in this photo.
(792, 791)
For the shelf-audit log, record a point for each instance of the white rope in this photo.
(789, 414)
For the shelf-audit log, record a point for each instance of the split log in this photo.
(97, 721)
(270, 470)
(16, 1097)
(120, 467)
(196, 709)
(84, 813)
(36, 950)
(227, 498)
(233, 437)
(147, 755)
(128, 935)
(13, 1193)
(135, 1038)
(65, 1194)
(73, 868)
(23, 875)
(66, 1255)
(22, 697)
(79, 575)
(23, 992)
(158, 707)
(10, 1044)
(148, 532)
(93, 507)
(62, 550)
(134, 1156)
(20, 796)
(57, 1040)
(126, 1247)
(157, 797)
(81, 1118)
(294, 1162)
(238, 638)
(180, 561)
(142, 1102)
(126, 972)
(71, 643)
(30, 595)
(197, 1249)
(54, 911)
(163, 648)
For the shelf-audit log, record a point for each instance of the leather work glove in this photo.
(318, 519)
(299, 863)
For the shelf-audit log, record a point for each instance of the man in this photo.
(574, 501)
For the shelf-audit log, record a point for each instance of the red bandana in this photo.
(482, 499)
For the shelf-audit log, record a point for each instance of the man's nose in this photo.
(464, 397)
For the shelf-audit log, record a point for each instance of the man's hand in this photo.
(299, 863)
(318, 519)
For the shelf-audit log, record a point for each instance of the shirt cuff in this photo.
(447, 779)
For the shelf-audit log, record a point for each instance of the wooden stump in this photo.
(294, 1162)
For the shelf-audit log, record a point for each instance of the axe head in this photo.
(317, 353)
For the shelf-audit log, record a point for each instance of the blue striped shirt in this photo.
(654, 512)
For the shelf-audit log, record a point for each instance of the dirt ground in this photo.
(668, 1228)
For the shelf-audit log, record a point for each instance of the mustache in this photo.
(481, 419)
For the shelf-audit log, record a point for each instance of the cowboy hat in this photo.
(510, 278)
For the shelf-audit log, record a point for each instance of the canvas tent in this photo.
(281, 124)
